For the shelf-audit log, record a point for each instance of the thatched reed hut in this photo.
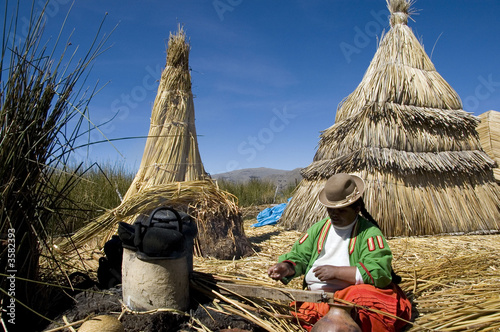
(489, 136)
(172, 173)
(404, 131)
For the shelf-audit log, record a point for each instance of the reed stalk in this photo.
(42, 109)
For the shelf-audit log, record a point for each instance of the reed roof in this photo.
(404, 131)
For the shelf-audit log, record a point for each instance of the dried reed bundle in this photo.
(171, 153)
(427, 208)
(489, 136)
(171, 172)
(211, 207)
(404, 131)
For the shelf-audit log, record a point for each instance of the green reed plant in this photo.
(43, 110)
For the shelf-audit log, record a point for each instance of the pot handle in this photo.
(169, 208)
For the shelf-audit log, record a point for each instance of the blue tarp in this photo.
(270, 216)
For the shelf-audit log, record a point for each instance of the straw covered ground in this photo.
(453, 280)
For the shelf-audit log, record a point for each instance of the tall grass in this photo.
(43, 110)
(257, 191)
(98, 188)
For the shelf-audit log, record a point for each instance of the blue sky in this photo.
(267, 76)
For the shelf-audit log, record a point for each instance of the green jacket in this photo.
(368, 251)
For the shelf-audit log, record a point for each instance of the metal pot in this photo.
(338, 319)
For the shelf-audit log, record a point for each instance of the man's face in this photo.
(343, 216)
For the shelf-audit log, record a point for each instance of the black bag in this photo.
(163, 236)
(160, 238)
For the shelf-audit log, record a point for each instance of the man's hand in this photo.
(330, 272)
(281, 270)
(325, 272)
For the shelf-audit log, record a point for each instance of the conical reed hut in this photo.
(172, 173)
(489, 136)
(404, 131)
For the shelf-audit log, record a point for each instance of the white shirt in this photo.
(335, 252)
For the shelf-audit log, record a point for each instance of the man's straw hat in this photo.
(341, 190)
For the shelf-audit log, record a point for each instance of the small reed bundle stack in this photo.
(403, 130)
(489, 136)
(172, 173)
(171, 153)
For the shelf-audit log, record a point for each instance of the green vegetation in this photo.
(97, 188)
(257, 192)
(43, 111)
(100, 188)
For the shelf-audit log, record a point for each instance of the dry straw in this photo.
(452, 281)
(208, 205)
(489, 135)
(403, 130)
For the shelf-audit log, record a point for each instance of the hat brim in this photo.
(360, 185)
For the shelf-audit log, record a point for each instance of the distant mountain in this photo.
(279, 177)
